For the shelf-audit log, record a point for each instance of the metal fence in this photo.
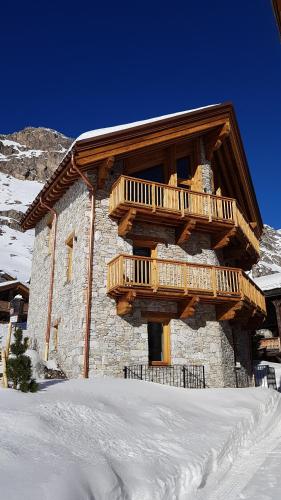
(190, 377)
(243, 379)
(265, 376)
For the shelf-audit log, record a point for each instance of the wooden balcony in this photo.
(187, 211)
(5, 307)
(271, 344)
(233, 293)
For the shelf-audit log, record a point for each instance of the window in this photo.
(183, 166)
(69, 245)
(154, 174)
(50, 235)
(158, 343)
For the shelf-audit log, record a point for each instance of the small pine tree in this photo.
(19, 366)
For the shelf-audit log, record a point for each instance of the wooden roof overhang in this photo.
(277, 11)
(92, 152)
(17, 286)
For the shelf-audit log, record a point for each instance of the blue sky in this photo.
(79, 66)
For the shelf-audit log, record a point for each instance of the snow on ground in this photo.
(16, 252)
(125, 439)
(17, 194)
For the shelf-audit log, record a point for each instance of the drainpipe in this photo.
(89, 267)
(51, 287)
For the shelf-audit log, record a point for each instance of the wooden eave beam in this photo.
(150, 139)
(214, 140)
(103, 171)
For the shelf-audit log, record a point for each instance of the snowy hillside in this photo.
(108, 439)
(26, 157)
(15, 246)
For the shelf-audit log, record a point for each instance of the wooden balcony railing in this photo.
(179, 279)
(162, 198)
(271, 344)
(5, 307)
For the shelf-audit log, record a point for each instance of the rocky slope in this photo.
(32, 153)
(27, 159)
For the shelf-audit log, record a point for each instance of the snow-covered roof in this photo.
(269, 282)
(14, 282)
(109, 130)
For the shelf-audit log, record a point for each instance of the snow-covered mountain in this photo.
(27, 159)
(270, 256)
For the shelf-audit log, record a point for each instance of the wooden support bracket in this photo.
(125, 303)
(221, 240)
(103, 171)
(184, 231)
(227, 312)
(187, 308)
(215, 139)
(126, 223)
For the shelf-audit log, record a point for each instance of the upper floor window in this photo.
(183, 167)
(69, 244)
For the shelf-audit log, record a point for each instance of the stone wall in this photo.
(68, 297)
(117, 341)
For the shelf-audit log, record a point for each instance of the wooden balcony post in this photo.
(121, 277)
(210, 208)
(182, 202)
(122, 190)
(214, 281)
(153, 197)
(234, 211)
(241, 285)
(154, 275)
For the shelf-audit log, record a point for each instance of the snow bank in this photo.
(123, 439)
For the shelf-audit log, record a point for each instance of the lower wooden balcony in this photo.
(229, 289)
(135, 199)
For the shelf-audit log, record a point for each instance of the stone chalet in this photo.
(143, 235)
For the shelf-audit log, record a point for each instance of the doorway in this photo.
(158, 343)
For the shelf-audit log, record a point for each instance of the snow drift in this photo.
(116, 439)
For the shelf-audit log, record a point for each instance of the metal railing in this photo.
(162, 197)
(143, 272)
(187, 376)
(265, 376)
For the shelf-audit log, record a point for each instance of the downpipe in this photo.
(51, 286)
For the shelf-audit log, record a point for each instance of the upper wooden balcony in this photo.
(230, 289)
(187, 210)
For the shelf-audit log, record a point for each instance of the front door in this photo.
(155, 342)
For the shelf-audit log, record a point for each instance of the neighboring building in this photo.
(9, 288)
(270, 346)
(277, 12)
(142, 236)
